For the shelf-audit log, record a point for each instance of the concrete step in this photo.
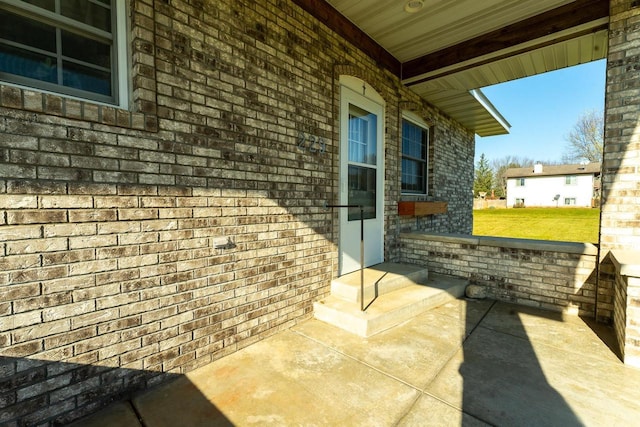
(390, 309)
(378, 280)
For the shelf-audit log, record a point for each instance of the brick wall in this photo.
(129, 278)
(116, 269)
(556, 276)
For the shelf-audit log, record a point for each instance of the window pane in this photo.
(87, 12)
(414, 141)
(45, 4)
(85, 78)
(414, 158)
(362, 191)
(362, 136)
(27, 32)
(37, 51)
(28, 64)
(87, 50)
(413, 176)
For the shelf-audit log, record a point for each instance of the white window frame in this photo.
(416, 121)
(118, 40)
(570, 201)
(571, 180)
(520, 182)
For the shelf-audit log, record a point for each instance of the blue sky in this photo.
(542, 110)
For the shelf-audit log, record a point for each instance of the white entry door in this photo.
(361, 174)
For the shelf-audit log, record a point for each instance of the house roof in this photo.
(447, 49)
(554, 170)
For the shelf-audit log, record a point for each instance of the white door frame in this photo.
(356, 92)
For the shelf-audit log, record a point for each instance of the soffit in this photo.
(451, 91)
(506, 49)
(439, 24)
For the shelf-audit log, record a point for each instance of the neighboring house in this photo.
(557, 185)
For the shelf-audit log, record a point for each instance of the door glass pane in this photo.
(362, 136)
(362, 191)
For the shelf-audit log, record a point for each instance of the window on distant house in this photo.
(415, 148)
(70, 47)
(570, 180)
(570, 201)
(519, 182)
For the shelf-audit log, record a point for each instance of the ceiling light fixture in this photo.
(413, 6)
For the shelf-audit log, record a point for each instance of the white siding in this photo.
(541, 190)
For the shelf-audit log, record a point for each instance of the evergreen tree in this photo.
(483, 180)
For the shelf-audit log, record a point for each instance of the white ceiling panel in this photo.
(441, 24)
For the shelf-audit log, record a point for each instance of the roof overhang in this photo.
(471, 108)
(456, 47)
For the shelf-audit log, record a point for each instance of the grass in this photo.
(564, 224)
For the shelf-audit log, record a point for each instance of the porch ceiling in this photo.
(449, 48)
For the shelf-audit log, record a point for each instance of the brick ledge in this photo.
(627, 262)
(508, 242)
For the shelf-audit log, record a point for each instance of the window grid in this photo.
(415, 140)
(81, 61)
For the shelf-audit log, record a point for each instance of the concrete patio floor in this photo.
(465, 363)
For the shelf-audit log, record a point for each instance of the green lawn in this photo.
(565, 224)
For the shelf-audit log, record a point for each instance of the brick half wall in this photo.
(620, 269)
(558, 276)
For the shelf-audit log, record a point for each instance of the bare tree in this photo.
(501, 165)
(586, 139)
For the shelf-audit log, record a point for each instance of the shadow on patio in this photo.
(463, 363)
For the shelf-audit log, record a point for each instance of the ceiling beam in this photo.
(562, 18)
(507, 55)
(333, 19)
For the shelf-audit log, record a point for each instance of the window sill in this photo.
(36, 101)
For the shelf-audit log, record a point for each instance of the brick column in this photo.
(620, 220)
(620, 225)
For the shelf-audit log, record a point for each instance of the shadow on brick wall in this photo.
(42, 392)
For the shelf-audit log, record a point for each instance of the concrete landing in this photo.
(378, 280)
(394, 293)
(465, 363)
